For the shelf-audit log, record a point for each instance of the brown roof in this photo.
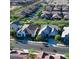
(16, 56)
(57, 56)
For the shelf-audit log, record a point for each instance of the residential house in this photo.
(54, 30)
(49, 8)
(15, 25)
(46, 14)
(56, 16)
(26, 12)
(28, 30)
(43, 55)
(65, 8)
(57, 11)
(21, 2)
(66, 15)
(57, 8)
(65, 35)
(24, 54)
(44, 31)
(15, 56)
(48, 30)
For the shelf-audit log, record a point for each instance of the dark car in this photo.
(46, 45)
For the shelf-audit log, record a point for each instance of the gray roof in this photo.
(26, 11)
(65, 13)
(49, 8)
(32, 28)
(54, 26)
(21, 0)
(65, 8)
(66, 16)
(57, 8)
(58, 2)
(56, 16)
(56, 12)
(43, 27)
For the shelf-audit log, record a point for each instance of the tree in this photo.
(39, 13)
(31, 54)
(61, 26)
(14, 17)
(58, 37)
(67, 55)
(38, 38)
(13, 32)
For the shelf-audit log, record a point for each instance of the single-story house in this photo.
(65, 35)
(46, 14)
(48, 30)
(21, 2)
(65, 8)
(49, 8)
(43, 55)
(54, 30)
(27, 12)
(66, 17)
(45, 30)
(56, 16)
(28, 30)
(15, 26)
(57, 8)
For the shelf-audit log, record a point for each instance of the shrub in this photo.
(67, 55)
(13, 32)
(38, 38)
(58, 37)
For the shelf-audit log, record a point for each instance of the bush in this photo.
(38, 38)
(12, 46)
(13, 17)
(39, 14)
(67, 55)
(13, 32)
(58, 37)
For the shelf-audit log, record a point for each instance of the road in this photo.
(50, 49)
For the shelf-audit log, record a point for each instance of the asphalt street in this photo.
(40, 47)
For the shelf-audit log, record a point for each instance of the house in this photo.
(26, 12)
(49, 8)
(44, 31)
(15, 25)
(21, 2)
(15, 56)
(65, 8)
(65, 35)
(59, 2)
(66, 15)
(44, 55)
(56, 16)
(28, 30)
(24, 54)
(54, 30)
(48, 30)
(46, 14)
(57, 8)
